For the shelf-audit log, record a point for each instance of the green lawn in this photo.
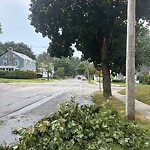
(25, 80)
(142, 93)
(119, 83)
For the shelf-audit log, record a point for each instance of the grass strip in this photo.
(120, 107)
(4, 80)
(142, 93)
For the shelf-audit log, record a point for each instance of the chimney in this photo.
(10, 56)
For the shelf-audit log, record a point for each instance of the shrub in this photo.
(75, 127)
(18, 74)
(10, 75)
(3, 73)
(118, 81)
(144, 78)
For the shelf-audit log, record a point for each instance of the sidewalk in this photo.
(140, 107)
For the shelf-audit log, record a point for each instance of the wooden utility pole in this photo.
(130, 61)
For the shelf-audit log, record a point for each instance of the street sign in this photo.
(99, 72)
(98, 68)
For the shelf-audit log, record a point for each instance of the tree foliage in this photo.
(75, 127)
(69, 64)
(18, 47)
(81, 68)
(143, 50)
(98, 28)
(1, 49)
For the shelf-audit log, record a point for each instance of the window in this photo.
(16, 62)
(5, 62)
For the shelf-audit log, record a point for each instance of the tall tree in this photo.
(97, 27)
(44, 63)
(143, 50)
(18, 47)
(81, 68)
(69, 64)
(1, 49)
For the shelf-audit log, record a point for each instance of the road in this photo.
(22, 104)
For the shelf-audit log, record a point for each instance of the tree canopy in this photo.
(98, 28)
(143, 50)
(18, 47)
(69, 65)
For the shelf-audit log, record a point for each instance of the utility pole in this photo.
(130, 61)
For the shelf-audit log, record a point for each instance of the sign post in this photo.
(99, 72)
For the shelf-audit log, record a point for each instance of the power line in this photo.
(37, 46)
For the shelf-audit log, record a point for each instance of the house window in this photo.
(5, 62)
(16, 62)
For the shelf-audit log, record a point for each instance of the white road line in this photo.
(31, 106)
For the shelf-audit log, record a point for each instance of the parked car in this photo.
(83, 79)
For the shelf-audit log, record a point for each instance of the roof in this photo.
(25, 57)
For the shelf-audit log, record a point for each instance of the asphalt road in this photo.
(22, 104)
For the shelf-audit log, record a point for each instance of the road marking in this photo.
(31, 106)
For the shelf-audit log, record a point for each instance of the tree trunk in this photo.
(48, 75)
(105, 70)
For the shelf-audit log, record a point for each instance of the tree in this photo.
(18, 47)
(142, 55)
(69, 64)
(98, 28)
(91, 69)
(48, 67)
(45, 63)
(1, 49)
(81, 68)
(60, 72)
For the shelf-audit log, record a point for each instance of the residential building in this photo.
(13, 60)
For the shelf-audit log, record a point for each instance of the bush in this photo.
(144, 78)
(56, 77)
(118, 81)
(18, 74)
(3, 73)
(75, 127)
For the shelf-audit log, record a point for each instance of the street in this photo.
(22, 104)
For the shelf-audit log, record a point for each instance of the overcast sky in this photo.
(16, 26)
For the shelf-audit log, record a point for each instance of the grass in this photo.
(119, 83)
(120, 107)
(24, 80)
(142, 93)
(114, 102)
(1, 122)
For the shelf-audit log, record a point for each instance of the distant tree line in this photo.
(63, 66)
(18, 47)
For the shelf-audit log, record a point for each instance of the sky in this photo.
(16, 26)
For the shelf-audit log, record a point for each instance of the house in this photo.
(13, 60)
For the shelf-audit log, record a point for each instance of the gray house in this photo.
(13, 60)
